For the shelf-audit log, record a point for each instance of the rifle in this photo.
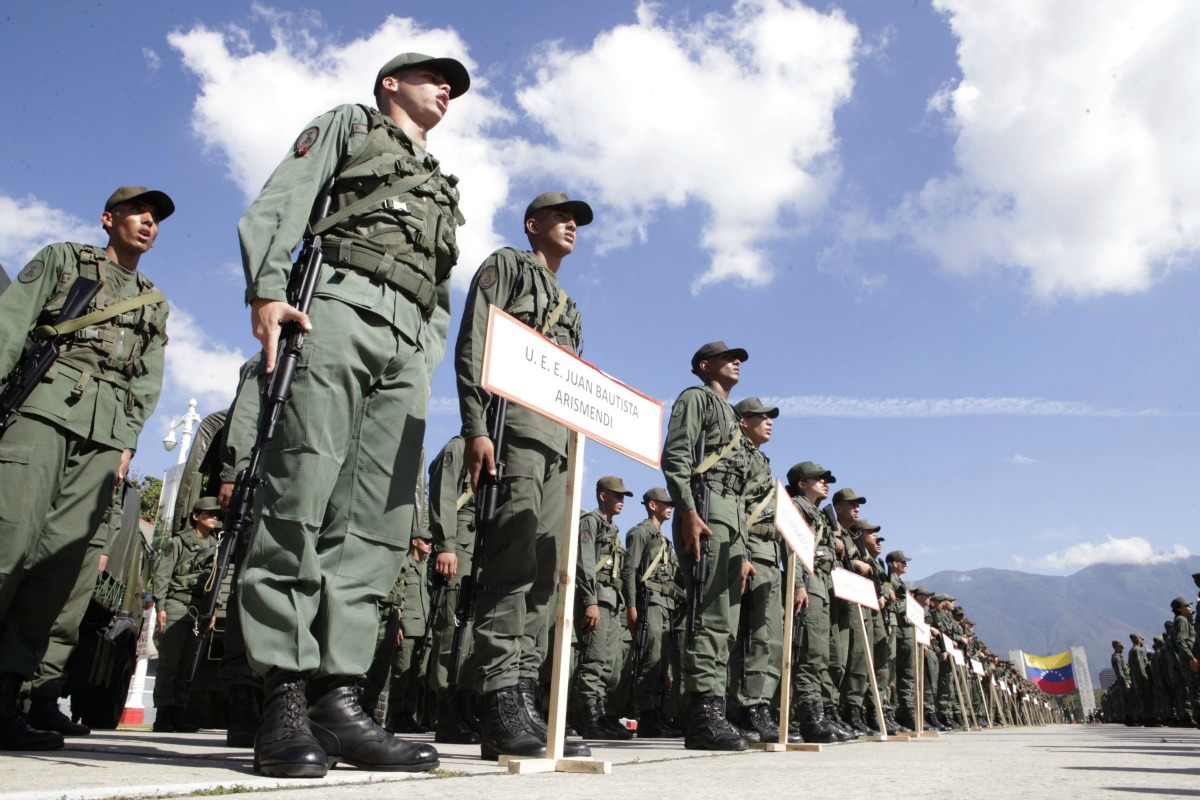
(831, 518)
(301, 287)
(641, 632)
(585, 647)
(700, 494)
(745, 622)
(39, 354)
(799, 630)
(486, 498)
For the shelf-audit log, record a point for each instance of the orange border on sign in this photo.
(485, 382)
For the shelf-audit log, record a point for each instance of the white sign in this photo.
(958, 657)
(527, 368)
(855, 588)
(947, 642)
(977, 667)
(792, 527)
(914, 611)
(923, 634)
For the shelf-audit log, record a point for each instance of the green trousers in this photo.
(931, 680)
(334, 516)
(594, 676)
(650, 684)
(64, 634)
(904, 674)
(54, 489)
(174, 645)
(765, 652)
(518, 570)
(812, 676)
(855, 685)
(441, 646)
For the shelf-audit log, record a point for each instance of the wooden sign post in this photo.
(527, 368)
(922, 638)
(960, 675)
(861, 592)
(977, 670)
(801, 542)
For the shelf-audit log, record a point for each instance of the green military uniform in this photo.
(597, 583)
(1122, 687)
(1143, 681)
(452, 529)
(1181, 641)
(906, 643)
(410, 599)
(651, 563)
(848, 667)
(880, 628)
(519, 568)
(1160, 680)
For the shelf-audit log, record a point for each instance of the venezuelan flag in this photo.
(1052, 674)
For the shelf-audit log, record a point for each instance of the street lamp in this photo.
(187, 422)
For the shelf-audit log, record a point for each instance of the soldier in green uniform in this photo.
(651, 566)
(518, 570)
(849, 667)
(77, 431)
(1122, 686)
(703, 445)
(410, 599)
(1181, 641)
(597, 600)
(902, 659)
(334, 514)
(1143, 681)
(880, 624)
(183, 565)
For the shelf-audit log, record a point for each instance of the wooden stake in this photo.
(862, 629)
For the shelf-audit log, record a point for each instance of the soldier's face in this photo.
(846, 509)
(421, 547)
(206, 521)
(757, 428)
(611, 503)
(724, 369)
(131, 227)
(421, 93)
(552, 231)
(815, 488)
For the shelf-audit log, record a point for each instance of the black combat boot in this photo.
(527, 689)
(15, 731)
(906, 718)
(243, 715)
(348, 733)
(44, 716)
(652, 725)
(750, 735)
(451, 728)
(831, 714)
(405, 721)
(505, 731)
(957, 721)
(285, 746)
(590, 724)
(180, 721)
(707, 727)
(758, 718)
(612, 724)
(853, 715)
(817, 728)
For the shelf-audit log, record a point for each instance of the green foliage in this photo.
(150, 490)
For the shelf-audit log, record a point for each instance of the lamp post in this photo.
(188, 424)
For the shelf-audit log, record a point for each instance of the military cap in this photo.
(127, 194)
(1117, 644)
(1158, 640)
(206, 504)
(611, 483)
(657, 494)
(581, 210)
(714, 349)
(1195, 575)
(423, 533)
(1180, 602)
(921, 590)
(752, 406)
(453, 71)
(848, 495)
(807, 470)
(958, 610)
(967, 621)
(937, 597)
(864, 526)
(1136, 637)
(897, 555)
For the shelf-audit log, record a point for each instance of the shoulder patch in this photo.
(488, 276)
(585, 536)
(359, 127)
(33, 270)
(306, 140)
(447, 459)
(677, 409)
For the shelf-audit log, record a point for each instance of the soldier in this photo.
(597, 588)
(849, 667)
(518, 571)
(410, 599)
(815, 694)
(703, 453)
(1122, 687)
(1143, 681)
(902, 660)
(650, 569)
(1160, 680)
(880, 625)
(334, 513)
(1182, 642)
(179, 577)
(77, 431)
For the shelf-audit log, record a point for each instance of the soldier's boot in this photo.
(816, 727)
(750, 735)
(15, 731)
(527, 689)
(44, 716)
(469, 707)
(451, 727)
(285, 746)
(505, 731)
(759, 719)
(886, 724)
(907, 718)
(613, 725)
(243, 715)
(180, 722)
(164, 719)
(933, 722)
(793, 730)
(348, 733)
(956, 719)
(707, 727)
(854, 715)
(831, 713)
(653, 725)
(590, 723)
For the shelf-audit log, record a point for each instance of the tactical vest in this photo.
(720, 426)
(110, 351)
(536, 299)
(193, 566)
(394, 215)
(662, 577)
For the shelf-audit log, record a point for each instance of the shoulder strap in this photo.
(100, 315)
(555, 314)
(662, 550)
(708, 463)
(388, 189)
(758, 509)
(467, 494)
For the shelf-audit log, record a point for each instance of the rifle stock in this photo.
(641, 633)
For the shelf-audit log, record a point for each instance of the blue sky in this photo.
(959, 240)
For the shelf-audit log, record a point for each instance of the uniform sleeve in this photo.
(492, 286)
(438, 329)
(146, 388)
(164, 569)
(585, 565)
(635, 544)
(241, 423)
(275, 222)
(23, 301)
(444, 473)
(678, 456)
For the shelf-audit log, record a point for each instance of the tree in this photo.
(149, 490)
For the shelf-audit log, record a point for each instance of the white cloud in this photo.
(1075, 147)
(199, 366)
(305, 73)
(28, 224)
(153, 60)
(902, 407)
(733, 114)
(443, 406)
(1020, 460)
(1133, 550)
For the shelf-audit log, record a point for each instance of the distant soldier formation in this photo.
(345, 613)
(1157, 686)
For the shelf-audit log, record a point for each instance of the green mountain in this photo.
(1046, 614)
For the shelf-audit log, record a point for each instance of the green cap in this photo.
(1180, 602)
(807, 470)
(658, 495)
(921, 590)
(613, 485)
(1118, 645)
(1136, 637)
(848, 495)
(423, 533)
(453, 71)
(752, 406)
(714, 349)
(864, 526)
(897, 555)
(581, 210)
(958, 610)
(1158, 641)
(206, 504)
(127, 194)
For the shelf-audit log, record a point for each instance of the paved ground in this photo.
(1059, 762)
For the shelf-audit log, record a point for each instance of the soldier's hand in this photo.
(266, 318)
(839, 547)
(860, 567)
(123, 467)
(799, 600)
(591, 617)
(480, 455)
(162, 621)
(631, 615)
(224, 495)
(446, 565)
(748, 572)
(1195, 665)
(693, 529)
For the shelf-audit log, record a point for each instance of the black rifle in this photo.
(585, 647)
(641, 631)
(487, 496)
(831, 518)
(799, 630)
(700, 495)
(745, 629)
(437, 599)
(301, 286)
(39, 354)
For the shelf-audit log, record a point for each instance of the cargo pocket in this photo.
(15, 502)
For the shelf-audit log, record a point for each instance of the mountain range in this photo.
(1046, 614)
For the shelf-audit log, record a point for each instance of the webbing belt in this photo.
(383, 267)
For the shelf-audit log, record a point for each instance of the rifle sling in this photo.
(100, 315)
